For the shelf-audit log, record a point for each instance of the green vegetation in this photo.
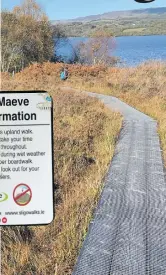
(135, 30)
(152, 25)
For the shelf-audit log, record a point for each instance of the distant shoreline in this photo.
(119, 36)
(141, 35)
(131, 23)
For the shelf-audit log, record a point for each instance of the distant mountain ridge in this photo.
(115, 15)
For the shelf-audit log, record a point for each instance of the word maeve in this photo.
(26, 158)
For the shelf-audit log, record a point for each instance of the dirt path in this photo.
(128, 233)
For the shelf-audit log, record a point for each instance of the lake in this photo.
(132, 50)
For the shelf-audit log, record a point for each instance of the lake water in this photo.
(132, 50)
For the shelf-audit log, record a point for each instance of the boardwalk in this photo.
(128, 233)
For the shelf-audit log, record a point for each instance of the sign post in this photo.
(26, 158)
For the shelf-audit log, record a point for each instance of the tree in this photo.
(27, 36)
(97, 50)
(9, 44)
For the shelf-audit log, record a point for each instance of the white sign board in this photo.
(26, 158)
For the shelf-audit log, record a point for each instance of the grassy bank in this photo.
(85, 133)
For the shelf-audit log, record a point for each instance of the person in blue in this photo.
(64, 74)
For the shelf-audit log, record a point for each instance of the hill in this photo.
(115, 15)
(120, 23)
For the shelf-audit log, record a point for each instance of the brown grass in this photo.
(84, 142)
(84, 138)
(143, 87)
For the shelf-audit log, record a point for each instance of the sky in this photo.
(69, 9)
